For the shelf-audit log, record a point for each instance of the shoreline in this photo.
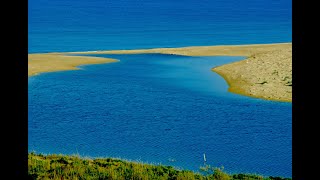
(265, 73)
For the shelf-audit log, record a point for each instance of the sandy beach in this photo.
(266, 72)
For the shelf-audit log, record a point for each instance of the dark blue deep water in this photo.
(82, 25)
(157, 108)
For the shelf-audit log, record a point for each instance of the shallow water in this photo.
(155, 108)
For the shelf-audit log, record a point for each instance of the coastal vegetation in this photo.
(75, 167)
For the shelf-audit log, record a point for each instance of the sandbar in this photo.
(265, 73)
(51, 62)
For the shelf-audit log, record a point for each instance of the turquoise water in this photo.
(82, 25)
(158, 108)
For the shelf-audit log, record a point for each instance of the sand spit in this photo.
(230, 50)
(38, 63)
(266, 73)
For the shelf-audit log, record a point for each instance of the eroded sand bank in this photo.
(265, 73)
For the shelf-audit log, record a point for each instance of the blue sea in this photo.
(82, 25)
(161, 109)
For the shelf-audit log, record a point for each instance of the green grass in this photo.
(75, 167)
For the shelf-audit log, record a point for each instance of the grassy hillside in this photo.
(74, 167)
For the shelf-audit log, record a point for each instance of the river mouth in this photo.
(159, 108)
